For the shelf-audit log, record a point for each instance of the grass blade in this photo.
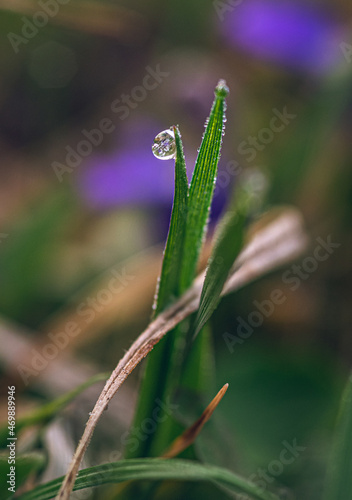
(153, 384)
(169, 287)
(202, 185)
(339, 477)
(152, 469)
(48, 411)
(229, 242)
(185, 367)
(188, 437)
(276, 244)
(187, 228)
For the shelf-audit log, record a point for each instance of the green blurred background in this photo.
(81, 195)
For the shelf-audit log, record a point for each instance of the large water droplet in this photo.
(164, 145)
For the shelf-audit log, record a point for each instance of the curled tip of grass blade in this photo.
(189, 436)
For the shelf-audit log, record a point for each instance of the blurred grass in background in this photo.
(105, 203)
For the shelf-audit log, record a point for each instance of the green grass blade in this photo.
(189, 369)
(152, 469)
(202, 185)
(227, 247)
(173, 254)
(194, 375)
(229, 242)
(153, 384)
(339, 476)
(48, 411)
(187, 229)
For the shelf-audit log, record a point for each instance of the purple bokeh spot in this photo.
(129, 175)
(292, 34)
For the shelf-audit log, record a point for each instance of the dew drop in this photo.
(164, 145)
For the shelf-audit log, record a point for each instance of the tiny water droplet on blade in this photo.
(164, 145)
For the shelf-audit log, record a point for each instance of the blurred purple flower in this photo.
(290, 33)
(131, 174)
